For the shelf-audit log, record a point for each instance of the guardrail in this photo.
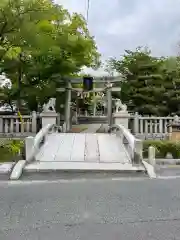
(132, 144)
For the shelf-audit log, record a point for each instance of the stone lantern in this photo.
(174, 129)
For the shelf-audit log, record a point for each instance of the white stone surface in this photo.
(37, 141)
(6, 167)
(78, 148)
(121, 118)
(49, 150)
(48, 166)
(82, 147)
(29, 142)
(65, 147)
(152, 155)
(111, 149)
(150, 169)
(92, 148)
(79, 151)
(48, 118)
(17, 170)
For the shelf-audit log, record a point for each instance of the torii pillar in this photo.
(68, 106)
(109, 103)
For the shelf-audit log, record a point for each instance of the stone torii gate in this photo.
(108, 88)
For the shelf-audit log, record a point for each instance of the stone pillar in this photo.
(136, 123)
(1, 125)
(109, 103)
(152, 156)
(29, 141)
(34, 122)
(122, 118)
(48, 118)
(58, 119)
(68, 107)
(94, 104)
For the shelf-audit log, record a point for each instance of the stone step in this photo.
(81, 174)
(82, 166)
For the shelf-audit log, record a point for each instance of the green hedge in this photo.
(12, 150)
(162, 147)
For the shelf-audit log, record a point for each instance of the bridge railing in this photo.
(33, 146)
(40, 139)
(132, 145)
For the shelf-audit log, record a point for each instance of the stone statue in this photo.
(176, 119)
(124, 108)
(119, 106)
(50, 106)
(104, 104)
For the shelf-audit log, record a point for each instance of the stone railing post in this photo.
(1, 124)
(29, 141)
(48, 118)
(136, 123)
(138, 151)
(152, 155)
(34, 122)
(122, 118)
(58, 119)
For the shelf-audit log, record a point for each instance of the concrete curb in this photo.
(13, 171)
(6, 167)
(17, 170)
(161, 161)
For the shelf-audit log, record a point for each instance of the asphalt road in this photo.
(137, 209)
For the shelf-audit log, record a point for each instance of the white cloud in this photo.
(126, 24)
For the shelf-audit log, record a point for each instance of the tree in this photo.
(147, 91)
(39, 43)
(142, 89)
(171, 75)
(21, 25)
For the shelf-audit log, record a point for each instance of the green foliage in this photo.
(10, 150)
(14, 146)
(162, 148)
(39, 43)
(151, 84)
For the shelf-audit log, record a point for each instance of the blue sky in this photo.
(125, 24)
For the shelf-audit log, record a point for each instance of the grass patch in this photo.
(11, 150)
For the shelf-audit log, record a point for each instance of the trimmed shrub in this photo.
(11, 150)
(162, 148)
